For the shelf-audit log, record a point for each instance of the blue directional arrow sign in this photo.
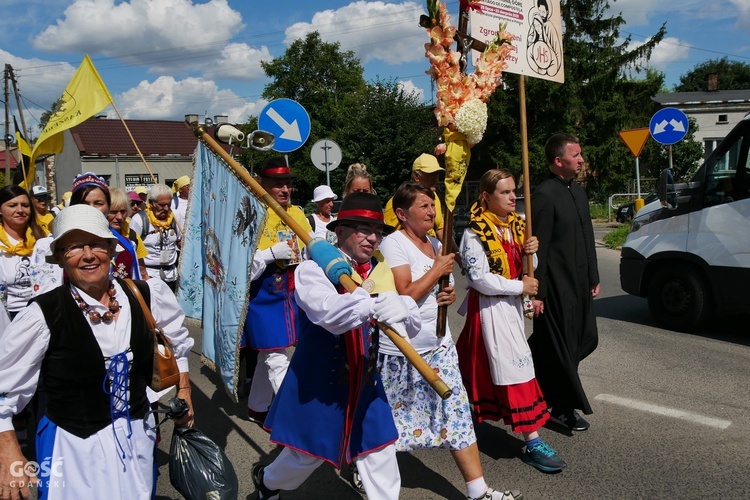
(668, 125)
(288, 121)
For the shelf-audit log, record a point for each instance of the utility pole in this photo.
(12, 77)
(8, 179)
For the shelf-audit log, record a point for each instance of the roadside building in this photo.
(103, 146)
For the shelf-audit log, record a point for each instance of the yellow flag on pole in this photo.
(85, 96)
(23, 145)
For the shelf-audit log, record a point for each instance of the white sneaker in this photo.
(491, 494)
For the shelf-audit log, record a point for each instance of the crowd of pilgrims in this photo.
(362, 399)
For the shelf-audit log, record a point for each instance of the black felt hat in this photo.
(361, 207)
(276, 168)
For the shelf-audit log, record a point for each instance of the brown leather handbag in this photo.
(166, 372)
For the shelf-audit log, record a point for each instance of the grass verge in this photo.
(615, 238)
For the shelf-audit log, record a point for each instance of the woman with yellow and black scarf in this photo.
(494, 356)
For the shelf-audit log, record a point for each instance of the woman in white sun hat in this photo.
(88, 343)
(323, 197)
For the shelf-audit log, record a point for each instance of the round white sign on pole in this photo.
(325, 155)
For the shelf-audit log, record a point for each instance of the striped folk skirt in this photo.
(521, 406)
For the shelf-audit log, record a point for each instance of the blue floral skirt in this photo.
(422, 417)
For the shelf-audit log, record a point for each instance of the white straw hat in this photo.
(81, 217)
(323, 193)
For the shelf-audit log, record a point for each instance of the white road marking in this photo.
(688, 416)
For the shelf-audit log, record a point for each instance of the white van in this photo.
(689, 253)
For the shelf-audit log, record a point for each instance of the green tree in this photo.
(598, 99)
(386, 130)
(731, 75)
(48, 113)
(376, 124)
(316, 74)
(325, 81)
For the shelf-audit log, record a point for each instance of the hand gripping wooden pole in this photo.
(403, 345)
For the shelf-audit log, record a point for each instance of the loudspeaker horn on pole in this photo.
(261, 140)
(229, 134)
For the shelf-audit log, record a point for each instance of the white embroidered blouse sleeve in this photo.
(259, 264)
(4, 318)
(22, 348)
(169, 316)
(478, 270)
(324, 306)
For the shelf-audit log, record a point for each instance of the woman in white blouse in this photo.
(423, 418)
(23, 246)
(89, 343)
(495, 359)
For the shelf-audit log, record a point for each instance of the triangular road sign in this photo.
(635, 139)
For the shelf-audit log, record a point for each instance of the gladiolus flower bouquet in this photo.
(461, 106)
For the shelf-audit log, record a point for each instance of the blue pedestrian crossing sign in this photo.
(288, 121)
(668, 126)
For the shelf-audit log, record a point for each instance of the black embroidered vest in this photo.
(73, 368)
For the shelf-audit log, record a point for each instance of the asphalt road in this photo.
(671, 419)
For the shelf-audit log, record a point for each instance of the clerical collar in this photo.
(559, 178)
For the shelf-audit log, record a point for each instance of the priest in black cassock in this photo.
(564, 322)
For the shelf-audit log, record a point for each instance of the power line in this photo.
(333, 31)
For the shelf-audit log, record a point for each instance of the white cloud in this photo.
(39, 78)
(167, 98)
(639, 12)
(670, 50)
(742, 11)
(373, 30)
(666, 52)
(239, 61)
(164, 34)
(40, 83)
(408, 87)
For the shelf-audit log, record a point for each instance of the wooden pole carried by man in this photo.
(345, 280)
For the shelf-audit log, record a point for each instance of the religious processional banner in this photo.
(221, 232)
(536, 28)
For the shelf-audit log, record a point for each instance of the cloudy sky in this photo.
(162, 59)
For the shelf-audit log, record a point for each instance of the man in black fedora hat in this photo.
(272, 318)
(332, 406)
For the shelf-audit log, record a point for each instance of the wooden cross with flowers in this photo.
(461, 98)
(461, 107)
(464, 41)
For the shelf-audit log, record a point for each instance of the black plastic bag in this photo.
(198, 468)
